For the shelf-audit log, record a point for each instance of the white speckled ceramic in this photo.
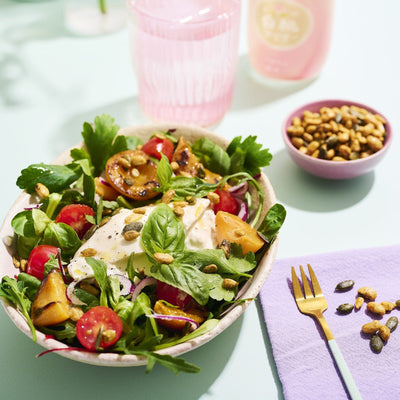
(250, 290)
(333, 169)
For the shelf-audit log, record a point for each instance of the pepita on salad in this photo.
(130, 252)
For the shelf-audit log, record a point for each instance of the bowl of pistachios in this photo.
(336, 139)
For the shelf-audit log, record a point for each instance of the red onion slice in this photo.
(126, 284)
(70, 293)
(243, 209)
(104, 182)
(193, 324)
(141, 285)
(239, 190)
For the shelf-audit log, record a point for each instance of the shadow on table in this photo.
(303, 191)
(268, 347)
(126, 112)
(248, 93)
(53, 376)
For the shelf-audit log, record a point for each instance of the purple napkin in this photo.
(305, 366)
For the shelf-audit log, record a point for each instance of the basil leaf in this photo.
(164, 173)
(185, 277)
(185, 186)
(163, 232)
(232, 266)
(63, 236)
(212, 156)
(55, 177)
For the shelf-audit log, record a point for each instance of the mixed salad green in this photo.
(177, 291)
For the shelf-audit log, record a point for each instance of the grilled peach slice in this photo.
(133, 174)
(50, 305)
(232, 228)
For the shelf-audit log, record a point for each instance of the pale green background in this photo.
(52, 81)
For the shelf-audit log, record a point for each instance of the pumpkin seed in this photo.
(133, 226)
(344, 285)
(398, 303)
(345, 308)
(392, 323)
(376, 343)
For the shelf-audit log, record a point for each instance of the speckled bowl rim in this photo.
(315, 106)
(250, 290)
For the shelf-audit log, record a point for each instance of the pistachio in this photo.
(163, 258)
(41, 190)
(89, 252)
(229, 284)
(371, 327)
(210, 269)
(384, 333)
(368, 293)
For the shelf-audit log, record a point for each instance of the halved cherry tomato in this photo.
(133, 174)
(38, 258)
(99, 328)
(74, 215)
(172, 295)
(155, 146)
(226, 203)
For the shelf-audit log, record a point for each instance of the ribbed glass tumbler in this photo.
(184, 54)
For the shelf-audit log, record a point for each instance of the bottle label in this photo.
(283, 24)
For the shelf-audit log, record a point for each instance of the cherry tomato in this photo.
(74, 215)
(100, 327)
(172, 295)
(226, 203)
(155, 146)
(38, 258)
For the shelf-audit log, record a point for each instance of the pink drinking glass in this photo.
(184, 54)
(289, 40)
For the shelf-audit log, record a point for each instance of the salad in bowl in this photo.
(139, 245)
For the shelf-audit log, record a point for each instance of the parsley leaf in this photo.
(99, 140)
(248, 155)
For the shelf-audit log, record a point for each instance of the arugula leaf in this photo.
(99, 140)
(31, 284)
(163, 232)
(217, 291)
(64, 332)
(14, 292)
(272, 222)
(212, 156)
(247, 155)
(100, 273)
(55, 177)
(175, 364)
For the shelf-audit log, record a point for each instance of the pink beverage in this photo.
(289, 40)
(184, 54)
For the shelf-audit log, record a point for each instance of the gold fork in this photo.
(314, 305)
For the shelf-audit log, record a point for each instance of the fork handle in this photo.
(344, 370)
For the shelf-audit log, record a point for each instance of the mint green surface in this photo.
(51, 81)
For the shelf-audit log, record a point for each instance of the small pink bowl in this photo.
(334, 169)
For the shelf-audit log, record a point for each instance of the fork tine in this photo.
(298, 294)
(307, 290)
(314, 281)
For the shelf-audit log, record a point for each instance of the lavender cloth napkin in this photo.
(305, 366)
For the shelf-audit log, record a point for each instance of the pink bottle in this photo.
(289, 40)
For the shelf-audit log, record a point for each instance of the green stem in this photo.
(102, 5)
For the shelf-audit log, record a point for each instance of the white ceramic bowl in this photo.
(333, 169)
(250, 290)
